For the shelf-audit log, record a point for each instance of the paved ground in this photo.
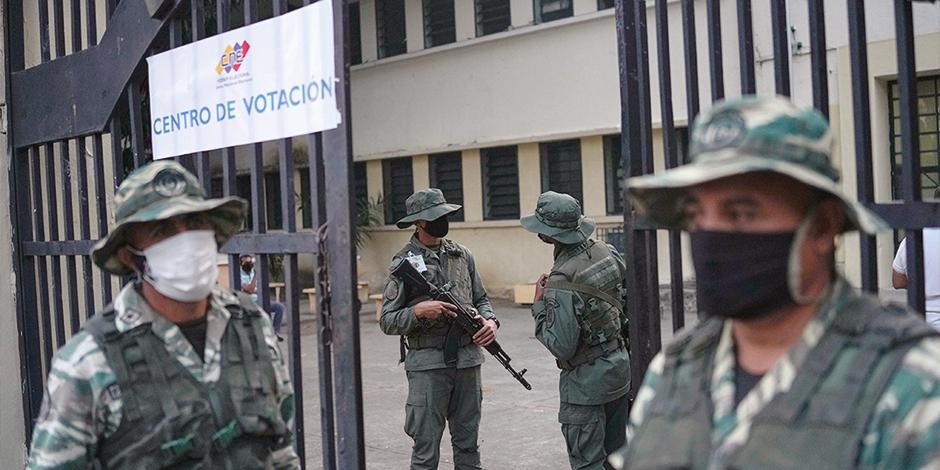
(519, 428)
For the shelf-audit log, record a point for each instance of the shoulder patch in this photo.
(551, 305)
(391, 289)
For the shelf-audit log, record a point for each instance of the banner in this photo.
(265, 81)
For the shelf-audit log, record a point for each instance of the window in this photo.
(398, 183)
(446, 174)
(500, 172)
(492, 16)
(605, 4)
(361, 183)
(439, 27)
(355, 35)
(613, 169)
(390, 27)
(613, 174)
(928, 115)
(561, 167)
(551, 10)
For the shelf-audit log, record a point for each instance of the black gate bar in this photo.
(677, 292)
(691, 62)
(341, 257)
(746, 48)
(910, 147)
(778, 17)
(715, 65)
(817, 50)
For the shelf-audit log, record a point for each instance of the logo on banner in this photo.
(232, 58)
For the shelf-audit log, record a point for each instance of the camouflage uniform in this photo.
(164, 406)
(859, 389)
(441, 388)
(580, 320)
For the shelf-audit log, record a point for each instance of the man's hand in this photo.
(487, 334)
(432, 309)
(540, 287)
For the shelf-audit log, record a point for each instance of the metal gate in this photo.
(639, 242)
(79, 122)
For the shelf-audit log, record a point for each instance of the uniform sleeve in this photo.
(556, 322)
(481, 301)
(397, 318)
(900, 260)
(283, 457)
(904, 431)
(75, 408)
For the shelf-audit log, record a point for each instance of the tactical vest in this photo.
(595, 274)
(453, 273)
(172, 420)
(818, 423)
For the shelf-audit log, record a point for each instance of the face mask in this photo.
(438, 227)
(741, 275)
(247, 266)
(183, 267)
(546, 240)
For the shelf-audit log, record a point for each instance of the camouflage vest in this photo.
(595, 274)
(453, 272)
(818, 423)
(172, 420)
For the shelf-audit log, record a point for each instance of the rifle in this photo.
(413, 279)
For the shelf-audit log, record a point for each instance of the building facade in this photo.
(495, 101)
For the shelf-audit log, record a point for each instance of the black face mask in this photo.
(247, 267)
(438, 227)
(741, 275)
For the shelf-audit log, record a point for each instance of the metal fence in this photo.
(80, 122)
(640, 244)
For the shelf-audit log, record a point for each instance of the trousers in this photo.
(444, 396)
(593, 431)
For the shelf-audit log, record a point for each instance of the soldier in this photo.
(578, 312)
(442, 362)
(789, 367)
(177, 372)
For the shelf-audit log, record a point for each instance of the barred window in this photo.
(439, 26)
(446, 174)
(493, 16)
(390, 27)
(500, 171)
(928, 131)
(551, 10)
(561, 167)
(613, 169)
(355, 35)
(361, 182)
(605, 4)
(398, 183)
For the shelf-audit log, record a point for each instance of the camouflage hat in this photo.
(745, 135)
(558, 215)
(159, 191)
(427, 204)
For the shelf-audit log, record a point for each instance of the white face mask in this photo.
(183, 267)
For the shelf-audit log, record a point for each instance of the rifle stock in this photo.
(413, 279)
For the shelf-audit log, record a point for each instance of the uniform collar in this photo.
(132, 310)
(446, 247)
(565, 252)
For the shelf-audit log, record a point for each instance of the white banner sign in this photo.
(266, 81)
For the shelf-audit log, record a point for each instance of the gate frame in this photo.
(329, 153)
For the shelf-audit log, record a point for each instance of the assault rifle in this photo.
(413, 279)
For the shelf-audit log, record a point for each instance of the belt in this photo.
(435, 341)
(590, 354)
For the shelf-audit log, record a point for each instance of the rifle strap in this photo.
(585, 289)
